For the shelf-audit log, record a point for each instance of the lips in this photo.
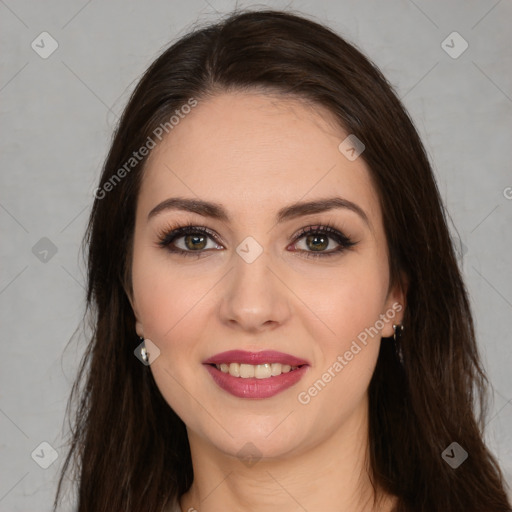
(255, 358)
(252, 388)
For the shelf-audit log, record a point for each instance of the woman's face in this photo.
(254, 281)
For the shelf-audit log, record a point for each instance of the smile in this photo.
(259, 371)
(255, 387)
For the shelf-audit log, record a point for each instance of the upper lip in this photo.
(254, 358)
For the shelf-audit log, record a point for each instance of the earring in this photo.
(143, 352)
(396, 337)
(398, 331)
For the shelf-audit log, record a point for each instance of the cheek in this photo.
(153, 296)
(349, 304)
(170, 304)
(349, 301)
(345, 360)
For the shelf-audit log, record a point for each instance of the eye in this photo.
(319, 238)
(191, 240)
(194, 240)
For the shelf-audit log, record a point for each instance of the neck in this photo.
(331, 475)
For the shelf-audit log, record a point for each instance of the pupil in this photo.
(194, 239)
(316, 246)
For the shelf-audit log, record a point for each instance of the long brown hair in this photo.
(128, 448)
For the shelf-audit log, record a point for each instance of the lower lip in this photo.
(256, 388)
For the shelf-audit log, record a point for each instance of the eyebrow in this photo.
(292, 211)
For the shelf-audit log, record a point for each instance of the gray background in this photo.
(58, 115)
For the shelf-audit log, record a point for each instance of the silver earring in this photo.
(143, 352)
(398, 331)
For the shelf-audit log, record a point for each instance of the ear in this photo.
(394, 307)
(138, 324)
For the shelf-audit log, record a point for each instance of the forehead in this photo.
(250, 150)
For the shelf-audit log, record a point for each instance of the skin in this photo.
(255, 153)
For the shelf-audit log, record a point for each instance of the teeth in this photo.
(260, 371)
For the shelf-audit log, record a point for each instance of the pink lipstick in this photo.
(255, 374)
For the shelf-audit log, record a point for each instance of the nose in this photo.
(255, 297)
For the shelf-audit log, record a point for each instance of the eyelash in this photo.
(169, 234)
